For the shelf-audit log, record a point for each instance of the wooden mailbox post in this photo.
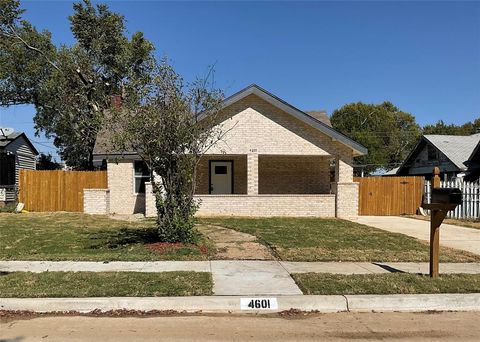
(442, 200)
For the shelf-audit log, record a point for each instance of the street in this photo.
(445, 326)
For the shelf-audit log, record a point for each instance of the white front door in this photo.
(221, 180)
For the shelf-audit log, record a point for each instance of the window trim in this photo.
(135, 178)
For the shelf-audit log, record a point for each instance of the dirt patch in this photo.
(234, 245)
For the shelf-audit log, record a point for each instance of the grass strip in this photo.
(388, 283)
(104, 284)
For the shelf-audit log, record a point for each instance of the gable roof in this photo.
(456, 148)
(6, 140)
(316, 119)
(297, 113)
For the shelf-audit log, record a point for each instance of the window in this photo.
(220, 170)
(432, 153)
(7, 169)
(141, 175)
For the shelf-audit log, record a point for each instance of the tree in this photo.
(70, 87)
(440, 127)
(387, 132)
(160, 121)
(46, 162)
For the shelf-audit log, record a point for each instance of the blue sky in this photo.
(422, 56)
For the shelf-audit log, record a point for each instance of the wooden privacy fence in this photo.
(389, 196)
(58, 190)
(470, 207)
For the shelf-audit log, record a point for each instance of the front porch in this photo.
(273, 185)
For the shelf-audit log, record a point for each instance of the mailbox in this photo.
(446, 196)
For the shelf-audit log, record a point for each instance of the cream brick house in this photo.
(274, 160)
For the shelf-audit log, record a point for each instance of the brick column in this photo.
(343, 170)
(346, 201)
(252, 174)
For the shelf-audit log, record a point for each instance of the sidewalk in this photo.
(467, 239)
(236, 277)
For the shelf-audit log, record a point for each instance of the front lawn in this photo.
(75, 236)
(313, 239)
(387, 283)
(104, 284)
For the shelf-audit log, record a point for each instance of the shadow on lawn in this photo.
(112, 239)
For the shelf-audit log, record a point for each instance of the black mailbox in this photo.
(446, 196)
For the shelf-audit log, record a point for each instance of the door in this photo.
(221, 177)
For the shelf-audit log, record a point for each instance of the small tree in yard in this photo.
(159, 120)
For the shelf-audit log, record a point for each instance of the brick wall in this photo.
(96, 201)
(123, 200)
(346, 200)
(271, 205)
(239, 173)
(294, 175)
(253, 125)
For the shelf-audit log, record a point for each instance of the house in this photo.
(456, 156)
(16, 153)
(274, 160)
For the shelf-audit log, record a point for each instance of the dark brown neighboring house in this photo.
(456, 156)
(16, 152)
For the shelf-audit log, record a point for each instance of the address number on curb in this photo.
(258, 304)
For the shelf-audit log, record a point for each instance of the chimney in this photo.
(116, 101)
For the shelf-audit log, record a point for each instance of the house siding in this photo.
(24, 159)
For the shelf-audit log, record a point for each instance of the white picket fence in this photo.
(470, 208)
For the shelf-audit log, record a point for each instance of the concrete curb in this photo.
(231, 304)
(205, 304)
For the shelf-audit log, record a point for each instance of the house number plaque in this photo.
(258, 304)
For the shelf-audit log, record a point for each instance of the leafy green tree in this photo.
(46, 162)
(440, 127)
(159, 120)
(70, 86)
(387, 132)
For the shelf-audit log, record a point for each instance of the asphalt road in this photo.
(446, 326)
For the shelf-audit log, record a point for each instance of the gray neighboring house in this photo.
(456, 156)
(16, 152)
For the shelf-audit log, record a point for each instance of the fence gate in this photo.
(58, 190)
(389, 196)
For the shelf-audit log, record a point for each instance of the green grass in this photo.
(388, 283)
(312, 239)
(74, 236)
(105, 284)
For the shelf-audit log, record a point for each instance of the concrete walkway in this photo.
(238, 277)
(467, 239)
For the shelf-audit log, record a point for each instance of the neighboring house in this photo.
(273, 161)
(456, 156)
(16, 153)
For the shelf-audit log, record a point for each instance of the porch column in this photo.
(343, 170)
(346, 199)
(252, 174)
